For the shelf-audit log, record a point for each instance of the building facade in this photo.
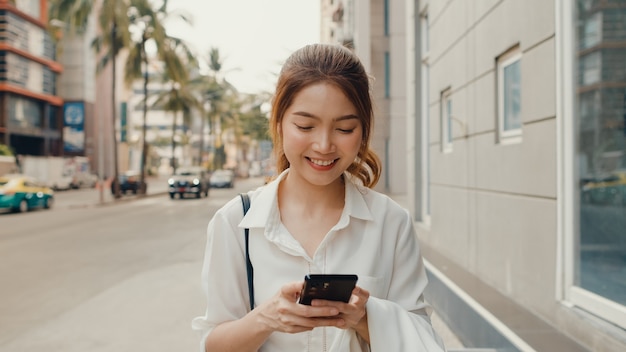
(516, 114)
(77, 87)
(30, 108)
(512, 156)
(159, 126)
(367, 27)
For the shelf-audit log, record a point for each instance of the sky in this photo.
(254, 37)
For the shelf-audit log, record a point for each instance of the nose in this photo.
(324, 143)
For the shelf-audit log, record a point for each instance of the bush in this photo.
(5, 150)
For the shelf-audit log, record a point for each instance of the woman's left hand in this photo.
(353, 312)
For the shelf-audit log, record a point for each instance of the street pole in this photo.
(101, 156)
(144, 152)
(116, 181)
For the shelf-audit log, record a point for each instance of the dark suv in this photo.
(129, 182)
(189, 180)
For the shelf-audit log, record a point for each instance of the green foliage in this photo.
(223, 108)
(5, 150)
(255, 124)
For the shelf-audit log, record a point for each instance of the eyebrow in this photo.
(340, 118)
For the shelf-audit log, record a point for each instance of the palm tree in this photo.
(220, 105)
(114, 18)
(254, 121)
(211, 92)
(173, 52)
(180, 97)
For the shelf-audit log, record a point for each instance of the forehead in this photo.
(322, 98)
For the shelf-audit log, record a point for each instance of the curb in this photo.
(123, 199)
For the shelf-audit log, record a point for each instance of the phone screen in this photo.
(332, 287)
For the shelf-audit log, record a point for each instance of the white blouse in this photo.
(374, 238)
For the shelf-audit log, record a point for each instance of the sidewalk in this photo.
(450, 340)
(157, 185)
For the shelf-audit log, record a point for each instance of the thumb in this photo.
(292, 289)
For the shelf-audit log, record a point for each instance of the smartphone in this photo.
(332, 287)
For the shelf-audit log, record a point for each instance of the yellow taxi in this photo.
(20, 193)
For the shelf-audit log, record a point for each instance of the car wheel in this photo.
(47, 204)
(23, 206)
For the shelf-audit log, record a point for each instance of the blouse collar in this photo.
(264, 214)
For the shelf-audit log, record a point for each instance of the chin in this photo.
(323, 181)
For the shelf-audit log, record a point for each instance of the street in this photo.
(118, 277)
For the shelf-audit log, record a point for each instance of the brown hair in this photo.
(337, 65)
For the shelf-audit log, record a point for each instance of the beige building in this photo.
(514, 126)
(380, 44)
(82, 86)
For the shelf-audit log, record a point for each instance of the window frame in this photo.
(446, 121)
(505, 60)
(423, 158)
(568, 204)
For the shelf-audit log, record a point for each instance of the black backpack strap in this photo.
(245, 200)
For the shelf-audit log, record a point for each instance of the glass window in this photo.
(591, 31)
(446, 121)
(590, 68)
(509, 96)
(599, 107)
(387, 75)
(17, 69)
(386, 16)
(52, 113)
(25, 113)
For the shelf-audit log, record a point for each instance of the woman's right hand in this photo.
(283, 313)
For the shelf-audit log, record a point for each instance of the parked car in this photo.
(610, 189)
(189, 180)
(21, 193)
(129, 182)
(223, 179)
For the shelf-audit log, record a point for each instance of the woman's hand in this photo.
(352, 313)
(283, 313)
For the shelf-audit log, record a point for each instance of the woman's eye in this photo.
(346, 130)
(304, 128)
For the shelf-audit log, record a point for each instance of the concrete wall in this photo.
(494, 206)
(397, 179)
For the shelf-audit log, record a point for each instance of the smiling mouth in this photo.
(322, 162)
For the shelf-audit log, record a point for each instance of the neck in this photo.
(292, 191)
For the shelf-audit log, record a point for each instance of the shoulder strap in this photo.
(245, 200)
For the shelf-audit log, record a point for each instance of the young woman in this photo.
(319, 216)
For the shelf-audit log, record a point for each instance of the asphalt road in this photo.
(105, 276)
(102, 275)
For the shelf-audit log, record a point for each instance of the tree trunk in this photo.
(173, 162)
(116, 181)
(144, 146)
(201, 147)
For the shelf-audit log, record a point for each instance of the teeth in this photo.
(322, 162)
